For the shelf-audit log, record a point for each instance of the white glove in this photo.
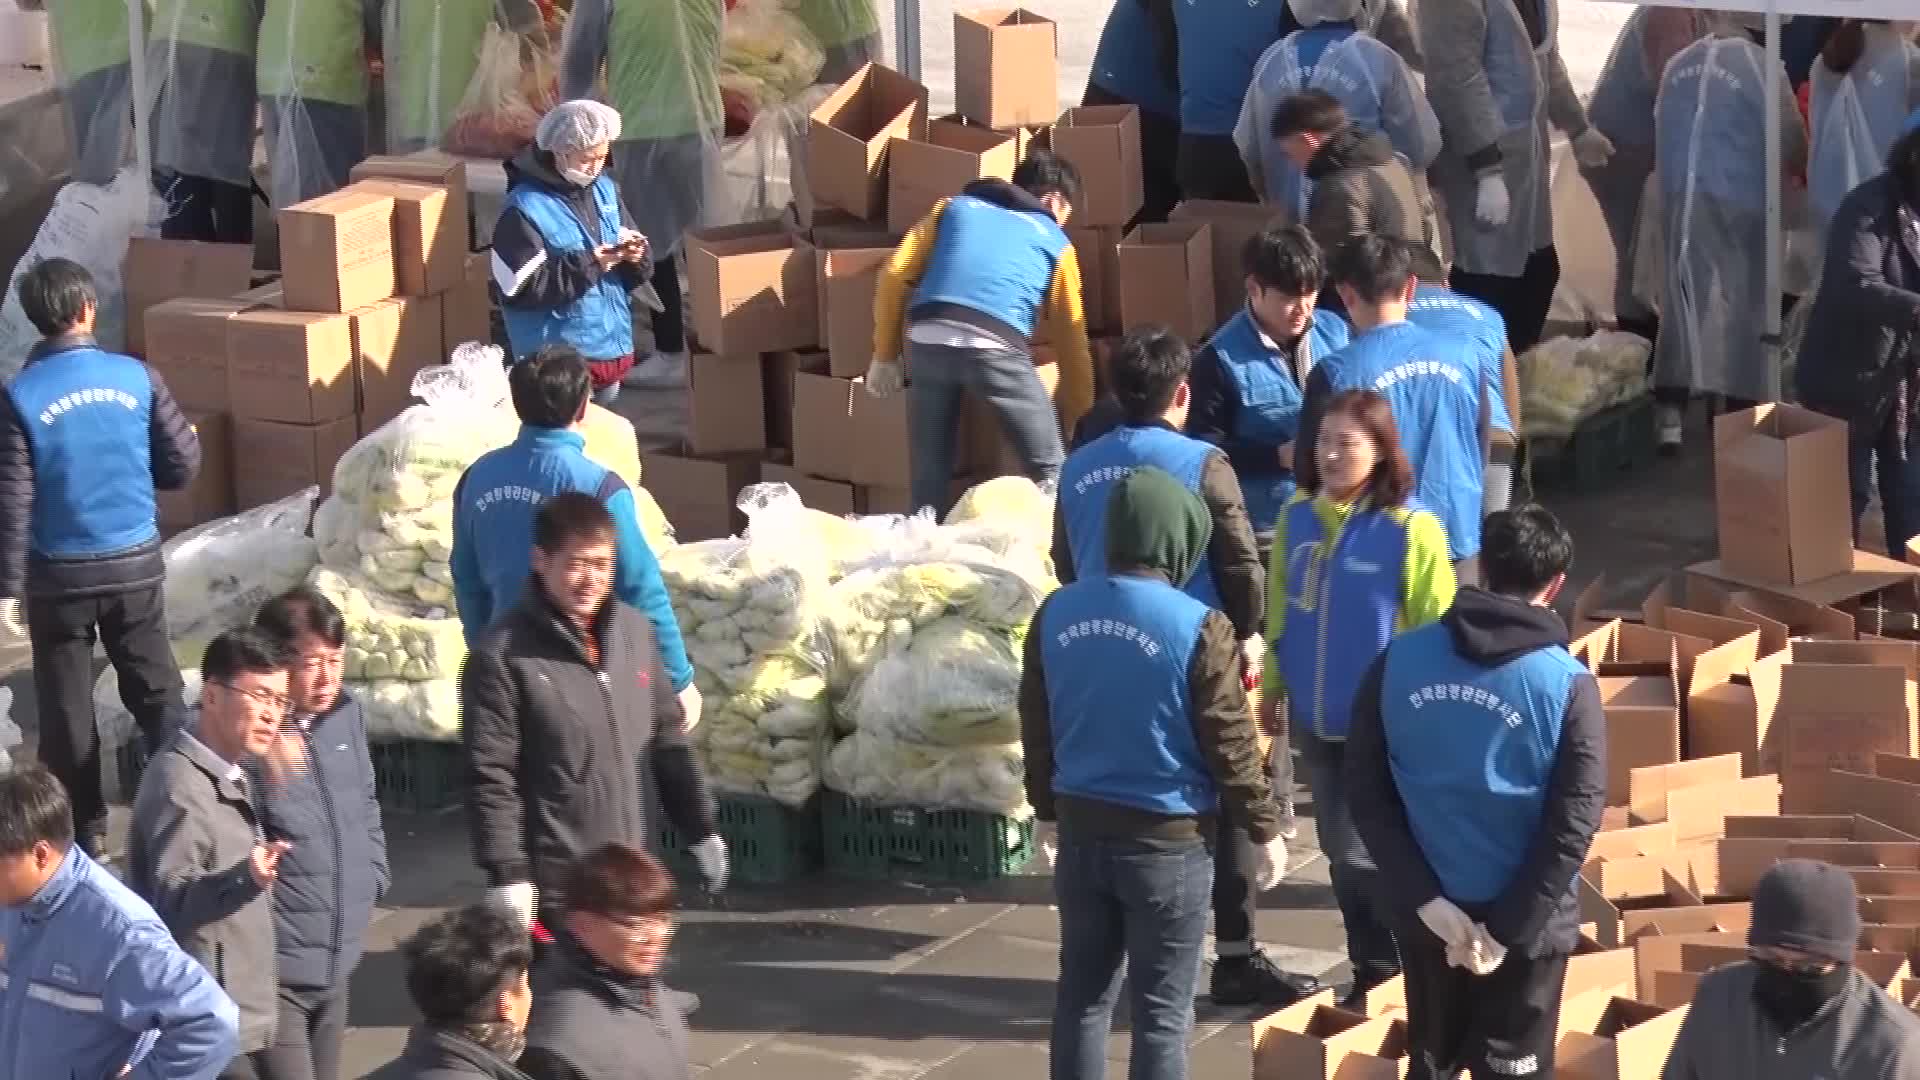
(1491, 205)
(884, 379)
(1046, 834)
(711, 856)
(690, 702)
(11, 624)
(518, 898)
(1448, 923)
(1592, 149)
(1486, 953)
(1272, 864)
(1253, 655)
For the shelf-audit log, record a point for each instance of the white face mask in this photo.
(581, 177)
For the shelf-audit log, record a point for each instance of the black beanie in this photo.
(1807, 905)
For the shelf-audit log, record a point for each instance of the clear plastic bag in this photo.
(10, 736)
(219, 574)
(433, 50)
(315, 86)
(512, 88)
(1566, 380)
(767, 54)
(388, 642)
(410, 709)
(888, 771)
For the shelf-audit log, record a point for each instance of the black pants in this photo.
(1159, 150)
(1522, 301)
(1210, 168)
(133, 627)
(1502, 1025)
(669, 326)
(307, 1038)
(204, 209)
(1234, 897)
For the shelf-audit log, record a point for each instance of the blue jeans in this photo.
(1370, 947)
(1879, 453)
(1122, 900)
(1005, 380)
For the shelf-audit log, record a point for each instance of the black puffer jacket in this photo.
(558, 748)
(1865, 322)
(337, 870)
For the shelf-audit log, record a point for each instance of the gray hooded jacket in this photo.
(1864, 1034)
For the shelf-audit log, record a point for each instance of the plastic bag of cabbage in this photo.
(220, 573)
(385, 641)
(410, 709)
(115, 723)
(1566, 380)
(748, 607)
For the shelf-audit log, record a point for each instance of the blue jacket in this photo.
(93, 981)
(1247, 400)
(1117, 651)
(1219, 45)
(1435, 387)
(599, 322)
(1088, 477)
(1458, 317)
(337, 870)
(991, 224)
(86, 436)
(1130, 62)
(494, 507)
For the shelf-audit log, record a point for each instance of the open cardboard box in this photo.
(844, 282)
(1643, 727)
(1166, 276)
(1842, 702)
(1676, 988)
(1696, 796)
(1603, 1037)
(953, 155)
(850, 134)
(1313, 1040)
(1736, 716)
(751, 288)
(1779, 495)
(1103, 142)
(1232, 225)
(1655, 955)
(1885, 800)
(1731, 865)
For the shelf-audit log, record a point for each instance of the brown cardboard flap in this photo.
(1839, 715)
(1891, 910)
(1897, 767)
(1608, 970)
(1648, 786)
(1166, 276)
(1655, 953)
(1672, 989)
(1880, 937)
(1827, 791)
(850, 133)
(1615, 1038)
(1700, 812)
(1877, 882)
(1862, 855)
(1638, 840)
(1233, 223)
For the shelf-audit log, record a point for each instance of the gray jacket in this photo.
(591, 1023)
(1863, 1035)
(195, 824)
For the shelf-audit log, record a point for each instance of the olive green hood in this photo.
(1154, 523)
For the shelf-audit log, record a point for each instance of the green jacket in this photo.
(88, 36)
(839, 22)
(662, 59)
(226, 25)
(316, 50)
(433, 50)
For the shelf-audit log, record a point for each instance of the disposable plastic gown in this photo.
(848, 32)
(432, 50)
(201, 54)
(1493, 88)
(1856, 118)
(314, 90)
(662, 62)
(93, 60)
(1710, 123)
(1370, 81)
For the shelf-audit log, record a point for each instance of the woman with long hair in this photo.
(1355, 561)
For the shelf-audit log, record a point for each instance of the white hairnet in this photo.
(1315, 12)
(574, 126)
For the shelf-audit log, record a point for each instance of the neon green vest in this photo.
(226, 25)
(432, 50)
(88, 36)
(838, 22)
(314, 49)
(663, 67)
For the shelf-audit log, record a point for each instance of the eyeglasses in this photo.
(278, 703)
(1791, 963)
(641, 928)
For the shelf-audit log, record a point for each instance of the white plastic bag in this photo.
(89, 225)
(409, 709)
(1566, 380)
(218, 574)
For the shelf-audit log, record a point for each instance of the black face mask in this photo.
(1790, 998)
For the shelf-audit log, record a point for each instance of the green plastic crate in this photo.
(412, 775)
(1605, 449)
(937, 845)
(768, 842)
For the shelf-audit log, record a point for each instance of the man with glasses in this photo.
(199, 851)
(1798, 1007)
(318, 796)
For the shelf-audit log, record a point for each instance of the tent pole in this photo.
(142, 105)
(906, 25)
(1772, 352)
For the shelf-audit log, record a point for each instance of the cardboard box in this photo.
(1234, 223)
(467, 309)
(1313, 1040)
(336, 251)
(1004, 67)
(1103, 142)
(1603, 1037)
(827, 496)
(1643, 728)
(921, 172)
(281, 459)
(1780, 494)
(1843, 702)
(1593, 968)
(849, 136)
(1890, 802)
(840, 432)
(268, 295)
(776, 389)
(392, 341)
(295, 367)
(1097, 250)
(429, 252)
(1166, 276)
(434, 168)
(1626, 898)
(752, 289)
(845, 281)
(210, 496)
(1871, 574)
(1655, 955)
(697, 494)
(157, 271)
(726, 405)
(1696, 796)
(187, 346)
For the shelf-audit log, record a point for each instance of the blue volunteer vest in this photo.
(599, 324)
(88, 417)
(1344, 594)
(1220, 43)
(1434, 385)
(1086, 487)
(1270, 402)
(1117, 653)
(504, 489)
(994, 260)
(1461, 318)
(1472, 750)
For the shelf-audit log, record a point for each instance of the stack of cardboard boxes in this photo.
(377, 282)
(1760, 706)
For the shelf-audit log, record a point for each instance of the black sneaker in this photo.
(1356, 999)
(1256, 980)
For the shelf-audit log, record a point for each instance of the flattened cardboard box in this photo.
(292, 366)
(428, 254)
(187, 346)
(921, 172)
(1313, 1040)
(157, 271)
(1004, 67)
(850, 134)
(726, 409)
(1780, 494)
(336, 251)
(827, 496)
(281, 459)
(1166, 276)
(210, 495)
(1233, 224)
(1103, 142)
(752, 289)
